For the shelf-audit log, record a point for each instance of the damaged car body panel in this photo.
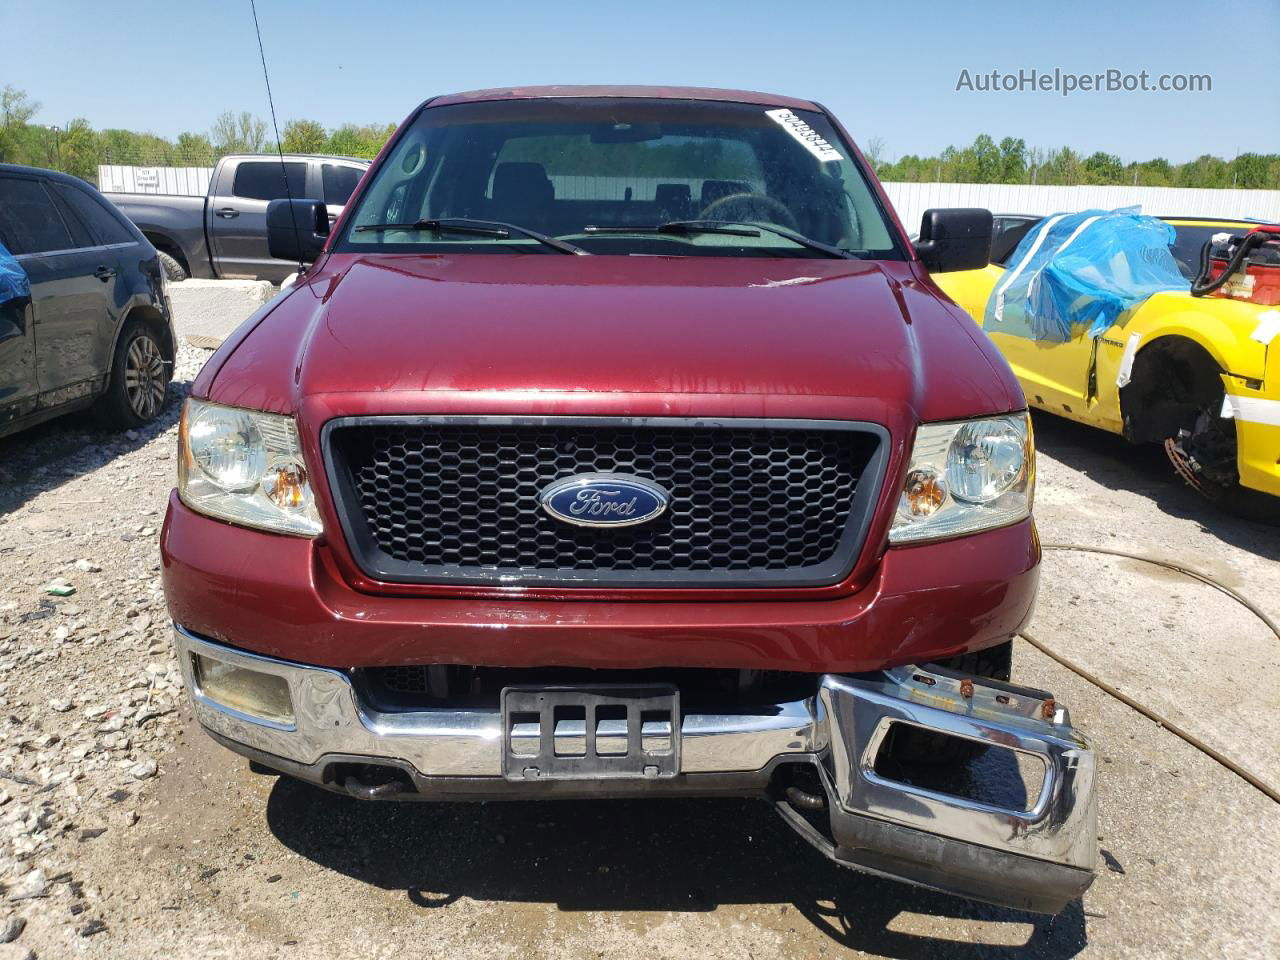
(1201, 373)
(808, 543)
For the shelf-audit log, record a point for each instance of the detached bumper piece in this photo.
(1034, 850)
(1015, 825)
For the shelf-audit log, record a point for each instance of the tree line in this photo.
(1011, 161)
(78, 149)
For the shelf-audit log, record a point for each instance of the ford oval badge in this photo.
(604, 500)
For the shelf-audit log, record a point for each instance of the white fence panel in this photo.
(911, 200)
(179, 181)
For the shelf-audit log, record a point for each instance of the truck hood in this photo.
(610, 334)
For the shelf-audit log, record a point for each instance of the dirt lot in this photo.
(124, 832)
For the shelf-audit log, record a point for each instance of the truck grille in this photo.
(752, 503)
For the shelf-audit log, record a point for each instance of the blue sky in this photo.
(888, 70)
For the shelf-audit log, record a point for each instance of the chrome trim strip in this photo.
(843, 726)
(453, 743)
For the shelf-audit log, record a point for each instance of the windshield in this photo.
(1190, 240)
(564, 166)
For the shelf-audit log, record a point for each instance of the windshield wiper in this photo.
(737, 228)
(678, 226)
(479, 228)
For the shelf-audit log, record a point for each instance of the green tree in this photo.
(1103, 168)
(304, 136)
(238, 133)
(1254, 171)
(78, 150)
(194, 150)
(1013, 160)
(16, 108)
(1204, 171)
(874, 152)
(131, 147)
(1150, 173)
(1062, 167)
(350, 140)
(985, 160)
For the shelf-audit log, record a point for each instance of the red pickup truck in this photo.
(617, 443)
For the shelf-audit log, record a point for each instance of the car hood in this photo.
(608, 334)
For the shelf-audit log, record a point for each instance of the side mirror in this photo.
(297, 230)
(955, 239)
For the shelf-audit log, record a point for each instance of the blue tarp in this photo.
(1082, 269)
(13, 279)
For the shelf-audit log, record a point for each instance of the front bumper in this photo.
(1035, 855)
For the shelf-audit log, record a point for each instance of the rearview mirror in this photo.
(297, 230)
(955, 239)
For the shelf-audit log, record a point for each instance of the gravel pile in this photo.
(88, 683)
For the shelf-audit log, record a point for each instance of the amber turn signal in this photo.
(923, 493)
(286, 486)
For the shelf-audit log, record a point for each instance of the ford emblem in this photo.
(604, 500)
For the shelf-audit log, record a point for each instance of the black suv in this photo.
(84, 318)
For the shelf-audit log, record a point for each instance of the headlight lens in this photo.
(246, 467)
(966, 476)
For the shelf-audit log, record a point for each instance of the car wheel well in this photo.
(1174, 381)
(165, 245)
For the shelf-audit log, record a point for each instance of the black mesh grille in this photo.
(446, 502)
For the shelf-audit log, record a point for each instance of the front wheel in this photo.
(139, 384)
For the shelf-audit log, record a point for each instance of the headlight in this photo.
(246, 467)
(967, 476)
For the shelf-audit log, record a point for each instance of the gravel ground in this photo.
(125, 832)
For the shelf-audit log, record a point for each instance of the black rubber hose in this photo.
(1249, 777)
(1243, 773)
(1203, 285)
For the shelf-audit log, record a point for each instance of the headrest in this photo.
(671, 194)
(522, 181)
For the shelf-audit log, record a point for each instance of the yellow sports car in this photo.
(1199, 374)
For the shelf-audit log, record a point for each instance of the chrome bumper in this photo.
(1036, 856)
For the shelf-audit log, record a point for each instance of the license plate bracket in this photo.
(609, 731)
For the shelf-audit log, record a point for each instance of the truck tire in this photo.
(171, 267)
(917, 746)
(139, 383)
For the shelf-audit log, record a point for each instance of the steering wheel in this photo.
(715, 209)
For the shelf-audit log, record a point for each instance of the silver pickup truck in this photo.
(224, 234)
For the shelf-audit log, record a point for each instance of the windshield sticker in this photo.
(804, 134)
